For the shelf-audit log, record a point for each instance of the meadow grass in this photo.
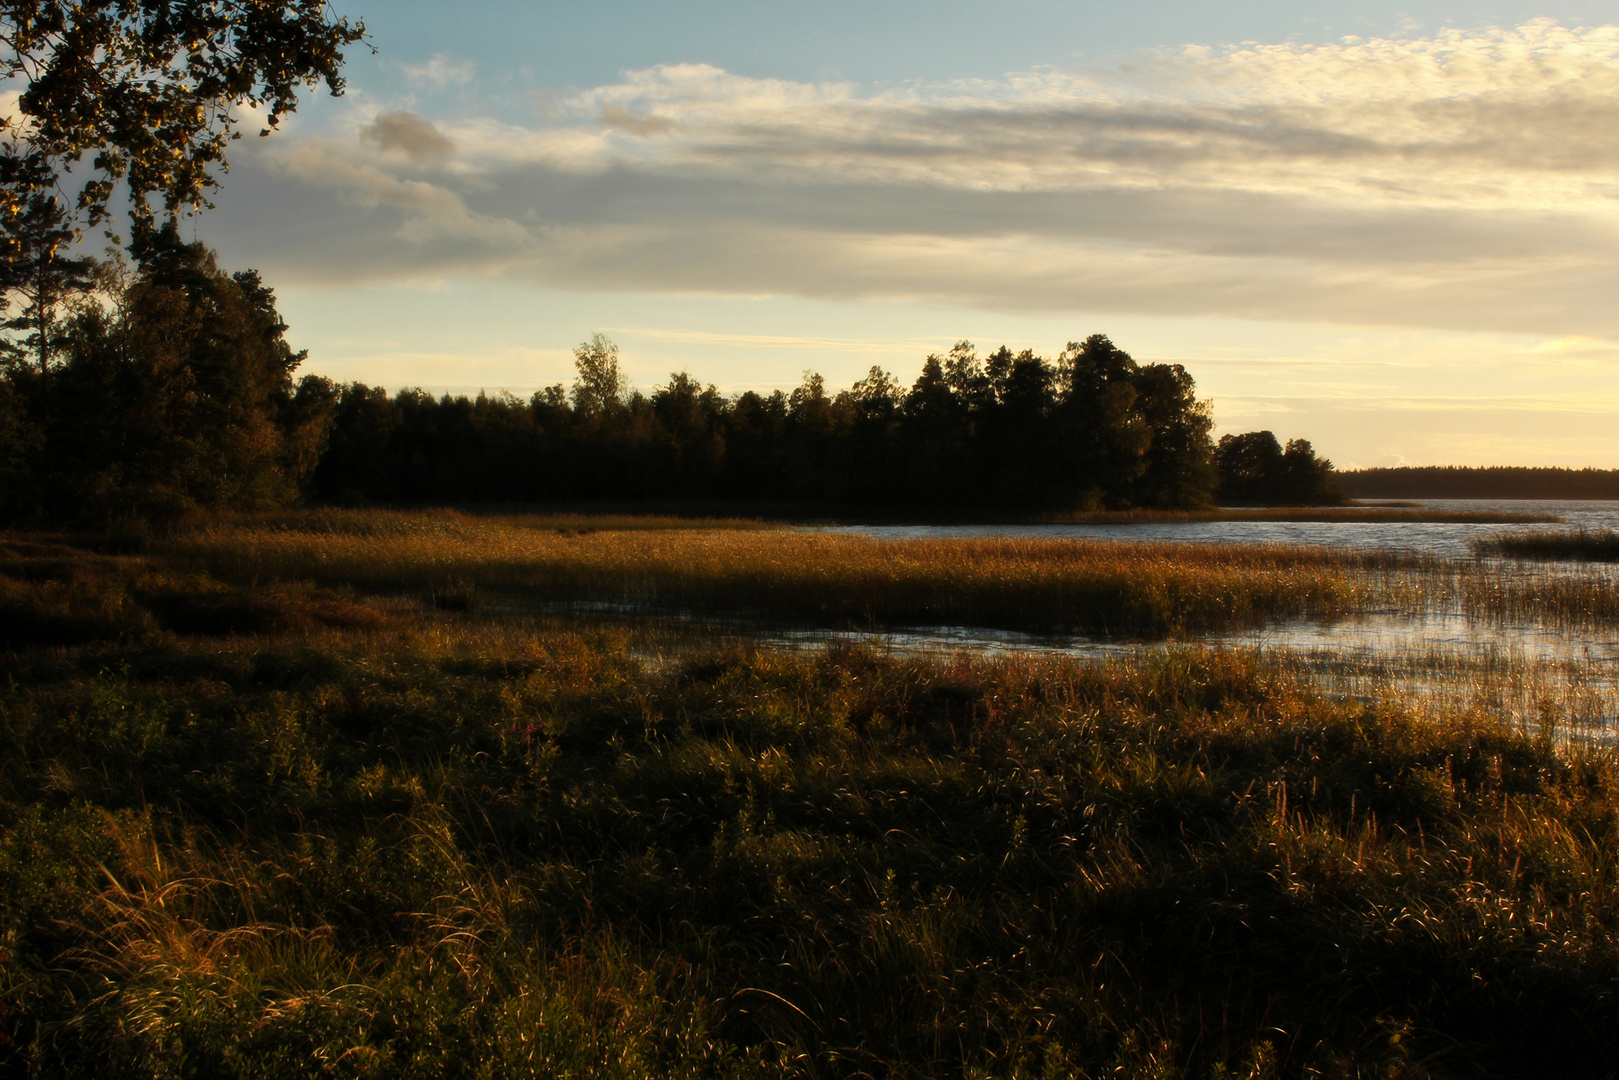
(772, 573)
(463, 844)
(769, 575)
(1395, 512)
(788, 512)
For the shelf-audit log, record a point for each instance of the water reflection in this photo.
(1525, 641)
(1509, 664)
(1439, 661)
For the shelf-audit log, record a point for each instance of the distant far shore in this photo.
(1492, 482)
(791, 513)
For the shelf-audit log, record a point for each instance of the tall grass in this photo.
(1394, 512)
(261, 825)
(466, 845)
(1103, 586)
(258, 573)
(1582, 597)
(1040, 584)
(1583, 546)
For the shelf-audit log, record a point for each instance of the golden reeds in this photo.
(781, 573)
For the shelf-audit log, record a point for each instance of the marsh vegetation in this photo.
(1582, 546)
(321, 792)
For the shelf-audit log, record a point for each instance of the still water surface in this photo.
(1444, 539)
(1442, 655)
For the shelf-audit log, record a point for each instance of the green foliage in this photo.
(1179, 470)
(599, 390)
(1254, 468)
(153, 90)
(36, 269)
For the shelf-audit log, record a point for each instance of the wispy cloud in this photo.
(1461, 180)
(441, 72)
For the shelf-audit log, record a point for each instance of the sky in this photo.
(1391, 229)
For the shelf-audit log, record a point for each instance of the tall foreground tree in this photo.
(180, 397)
(154, 90)
(39, 273)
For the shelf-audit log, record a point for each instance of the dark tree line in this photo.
(176, 396)
(173, 389)
(179, 393)
(1255, 469)
(1491, 482)
(1092, 428)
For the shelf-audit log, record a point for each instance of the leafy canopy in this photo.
(153, 89)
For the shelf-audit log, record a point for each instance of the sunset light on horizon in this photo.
(1392, 232)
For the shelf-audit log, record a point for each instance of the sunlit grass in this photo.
(1048, 584)
(1397, 512)
(742, 569)
(258, 572)
(307, 795)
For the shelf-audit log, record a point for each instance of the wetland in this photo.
(411, 792)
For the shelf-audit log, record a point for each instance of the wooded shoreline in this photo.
(1484, 482)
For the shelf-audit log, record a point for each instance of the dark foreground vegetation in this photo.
(1492, 482)
(259, 825)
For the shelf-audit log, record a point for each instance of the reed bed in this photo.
(1409, 513)
(783, 574)
(1569, 696)
(1583, 546)
(1561, 598)
(742, 569)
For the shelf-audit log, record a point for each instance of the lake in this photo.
(1444, 539)
(1440, 655)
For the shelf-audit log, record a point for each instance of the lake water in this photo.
(1444, 539)
(1441, 655)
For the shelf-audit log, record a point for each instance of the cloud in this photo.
(413, 135)
(430, 210)
(1459, 180)
(441, 72)
(636, 125)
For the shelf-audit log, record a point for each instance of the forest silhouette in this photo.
(1487, 482)
(180, 395)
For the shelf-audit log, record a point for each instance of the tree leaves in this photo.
(155, 90)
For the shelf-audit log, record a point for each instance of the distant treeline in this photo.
(176, 392)
(1015, 431)
(1092, 428)
(1492, 482)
